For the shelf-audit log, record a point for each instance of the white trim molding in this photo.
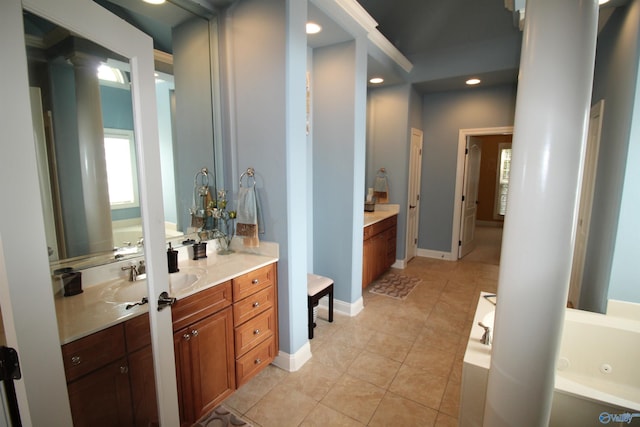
(462, 144)
(348, 309)
(293, 362)
(428, 253)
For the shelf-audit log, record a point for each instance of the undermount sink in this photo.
(125, 291)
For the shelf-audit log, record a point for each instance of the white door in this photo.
(413, 208)
(586, 202)
(25, 277)
(470, 195)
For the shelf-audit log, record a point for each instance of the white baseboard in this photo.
(348, 309)
(400, 263)
(293, 362)
(428, 253)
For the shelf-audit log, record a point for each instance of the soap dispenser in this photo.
(172, 259)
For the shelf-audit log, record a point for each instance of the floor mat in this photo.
(222, 417)
(393, 285)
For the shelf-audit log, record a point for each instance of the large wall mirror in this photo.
(82, 108)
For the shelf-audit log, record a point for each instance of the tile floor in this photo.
(397, 363)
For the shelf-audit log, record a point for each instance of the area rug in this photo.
(393, 285)
(222, 417)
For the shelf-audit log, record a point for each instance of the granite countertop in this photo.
(381, 212)
(91, 311)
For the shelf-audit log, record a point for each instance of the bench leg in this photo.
(310, 317)
(331, 304)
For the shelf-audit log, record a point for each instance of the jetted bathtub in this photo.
(597, 374)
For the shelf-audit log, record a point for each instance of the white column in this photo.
(552, 111)
(95, 189)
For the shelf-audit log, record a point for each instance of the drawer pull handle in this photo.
(194, 332)
(256, 332)
(124, 369)
(186, 337)
(256, 304)
(75, 360)
(257, 361)
(255, 281)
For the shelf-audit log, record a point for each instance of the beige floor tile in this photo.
(434, 362)
(390, 346)
(445, 420)
(322, 416)
(419, 386)
(373, 368)
(355, 335)
(281, 408)
(451, 400)
(395, 410)
(432, 337)
(338, 356)
(250, 393)
(355, 398)
(314, 379)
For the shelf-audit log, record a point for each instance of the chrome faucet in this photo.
(133, 272)
(486, 337)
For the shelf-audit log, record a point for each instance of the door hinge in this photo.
(415, 241)
(463, 197)
(466, 151)
(459, 242)
(418, 197)
(9, 364)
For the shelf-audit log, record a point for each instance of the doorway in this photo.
(478, 234)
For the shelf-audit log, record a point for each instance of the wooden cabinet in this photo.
(379, 249)
(108, 384)
(256, 321)
(223, 336)
(204, 348)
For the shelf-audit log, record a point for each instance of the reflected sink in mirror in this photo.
(125, 291)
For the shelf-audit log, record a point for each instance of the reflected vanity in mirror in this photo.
(82, 109)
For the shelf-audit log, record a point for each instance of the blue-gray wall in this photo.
(392, 112)
(444, 114)
(614, 81)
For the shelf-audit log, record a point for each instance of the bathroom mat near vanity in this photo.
(393, 285)
(222, 417)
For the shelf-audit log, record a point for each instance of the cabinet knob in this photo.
(186, 337)
(256, 332)
(75, 360)
(256, 304)
(194, 332)
(124, 369)
(255, 281)
(257, 361)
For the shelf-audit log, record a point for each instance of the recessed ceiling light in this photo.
(154, 1)
(472, 82)
(313, 28)
(376, 80)
(603, 1)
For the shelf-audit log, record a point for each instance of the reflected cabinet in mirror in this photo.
(84, 131)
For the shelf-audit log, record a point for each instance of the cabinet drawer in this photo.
(254, 361)
(254, 281)
(200, 305)
(92, 352)
(253, 305)
(254, 331)
(379, 227)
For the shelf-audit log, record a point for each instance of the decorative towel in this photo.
(381, 189)
(247, 216)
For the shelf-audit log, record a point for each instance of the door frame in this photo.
(457, 200)
(25, 274)
(414, 181)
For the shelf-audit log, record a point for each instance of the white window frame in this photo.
(126, 134)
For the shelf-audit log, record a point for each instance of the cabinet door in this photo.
(143, 387)
(368, 262)
(102, 398)
(207, 368)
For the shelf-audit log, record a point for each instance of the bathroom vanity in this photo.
(225, 332)
(379, 243)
